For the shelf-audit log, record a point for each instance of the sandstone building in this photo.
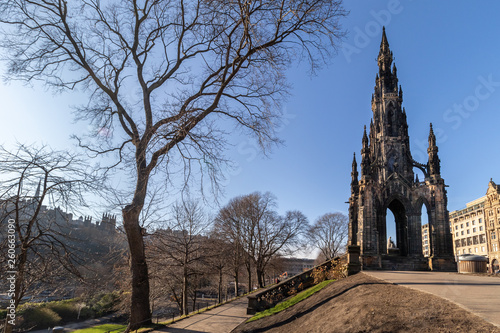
(475, 229)
(492, 220)
(469, 230)
(387, 181)
(425, 240)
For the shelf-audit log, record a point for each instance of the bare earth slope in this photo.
(362, 303)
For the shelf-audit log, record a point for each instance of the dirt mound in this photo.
(362, 303)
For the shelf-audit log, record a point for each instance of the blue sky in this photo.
(447, 54)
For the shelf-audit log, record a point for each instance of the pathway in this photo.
(477, 294)
(222, 319)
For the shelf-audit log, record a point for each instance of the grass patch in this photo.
(290, 302)
(103, 329)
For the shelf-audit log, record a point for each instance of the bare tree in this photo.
(233, 225)
(329, 234)
(252, 222)
(277, 235)
(219, 261)
(183, 245)
(165, 73)
(39, 236)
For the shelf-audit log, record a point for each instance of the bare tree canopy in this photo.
(329, 234)
(250, 222)
(167, 75)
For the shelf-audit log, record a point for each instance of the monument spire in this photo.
(434, 162)
(354, 176)
(365, 154)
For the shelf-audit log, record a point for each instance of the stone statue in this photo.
(390, 244)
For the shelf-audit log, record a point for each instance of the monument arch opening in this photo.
(425, 228)
(401, 224)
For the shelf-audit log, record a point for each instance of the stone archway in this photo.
(401, 219)
(422, 207)
(400, 216)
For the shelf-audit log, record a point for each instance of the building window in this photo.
(475, 249)
(495, 247)
(480, 220)
(481, 228)
(482, 239)
(473, 222)
(474, 229)
(456, 234)
(468, 231)
(456, 228)
(457, 243)
(475, 240)
(470, 250)
(493, 235)
(482, 248)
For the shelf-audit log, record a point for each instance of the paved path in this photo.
(477, 294)
(222, 319)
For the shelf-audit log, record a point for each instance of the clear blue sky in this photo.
(448, 59)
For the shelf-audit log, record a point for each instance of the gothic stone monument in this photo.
(388, 182)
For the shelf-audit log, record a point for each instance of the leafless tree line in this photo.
(244, 239)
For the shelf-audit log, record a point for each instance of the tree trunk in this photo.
(260, 277)
(140, 311)
(220, 286)
(236, 281)
(185, 294)
(249, 270)
(194, 301)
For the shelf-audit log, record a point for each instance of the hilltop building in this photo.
(55, 217)
(388, 181)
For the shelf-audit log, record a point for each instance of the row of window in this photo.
(481, 239)
(476, 250)
(468, 231)
(467, 224)
(467, 216)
